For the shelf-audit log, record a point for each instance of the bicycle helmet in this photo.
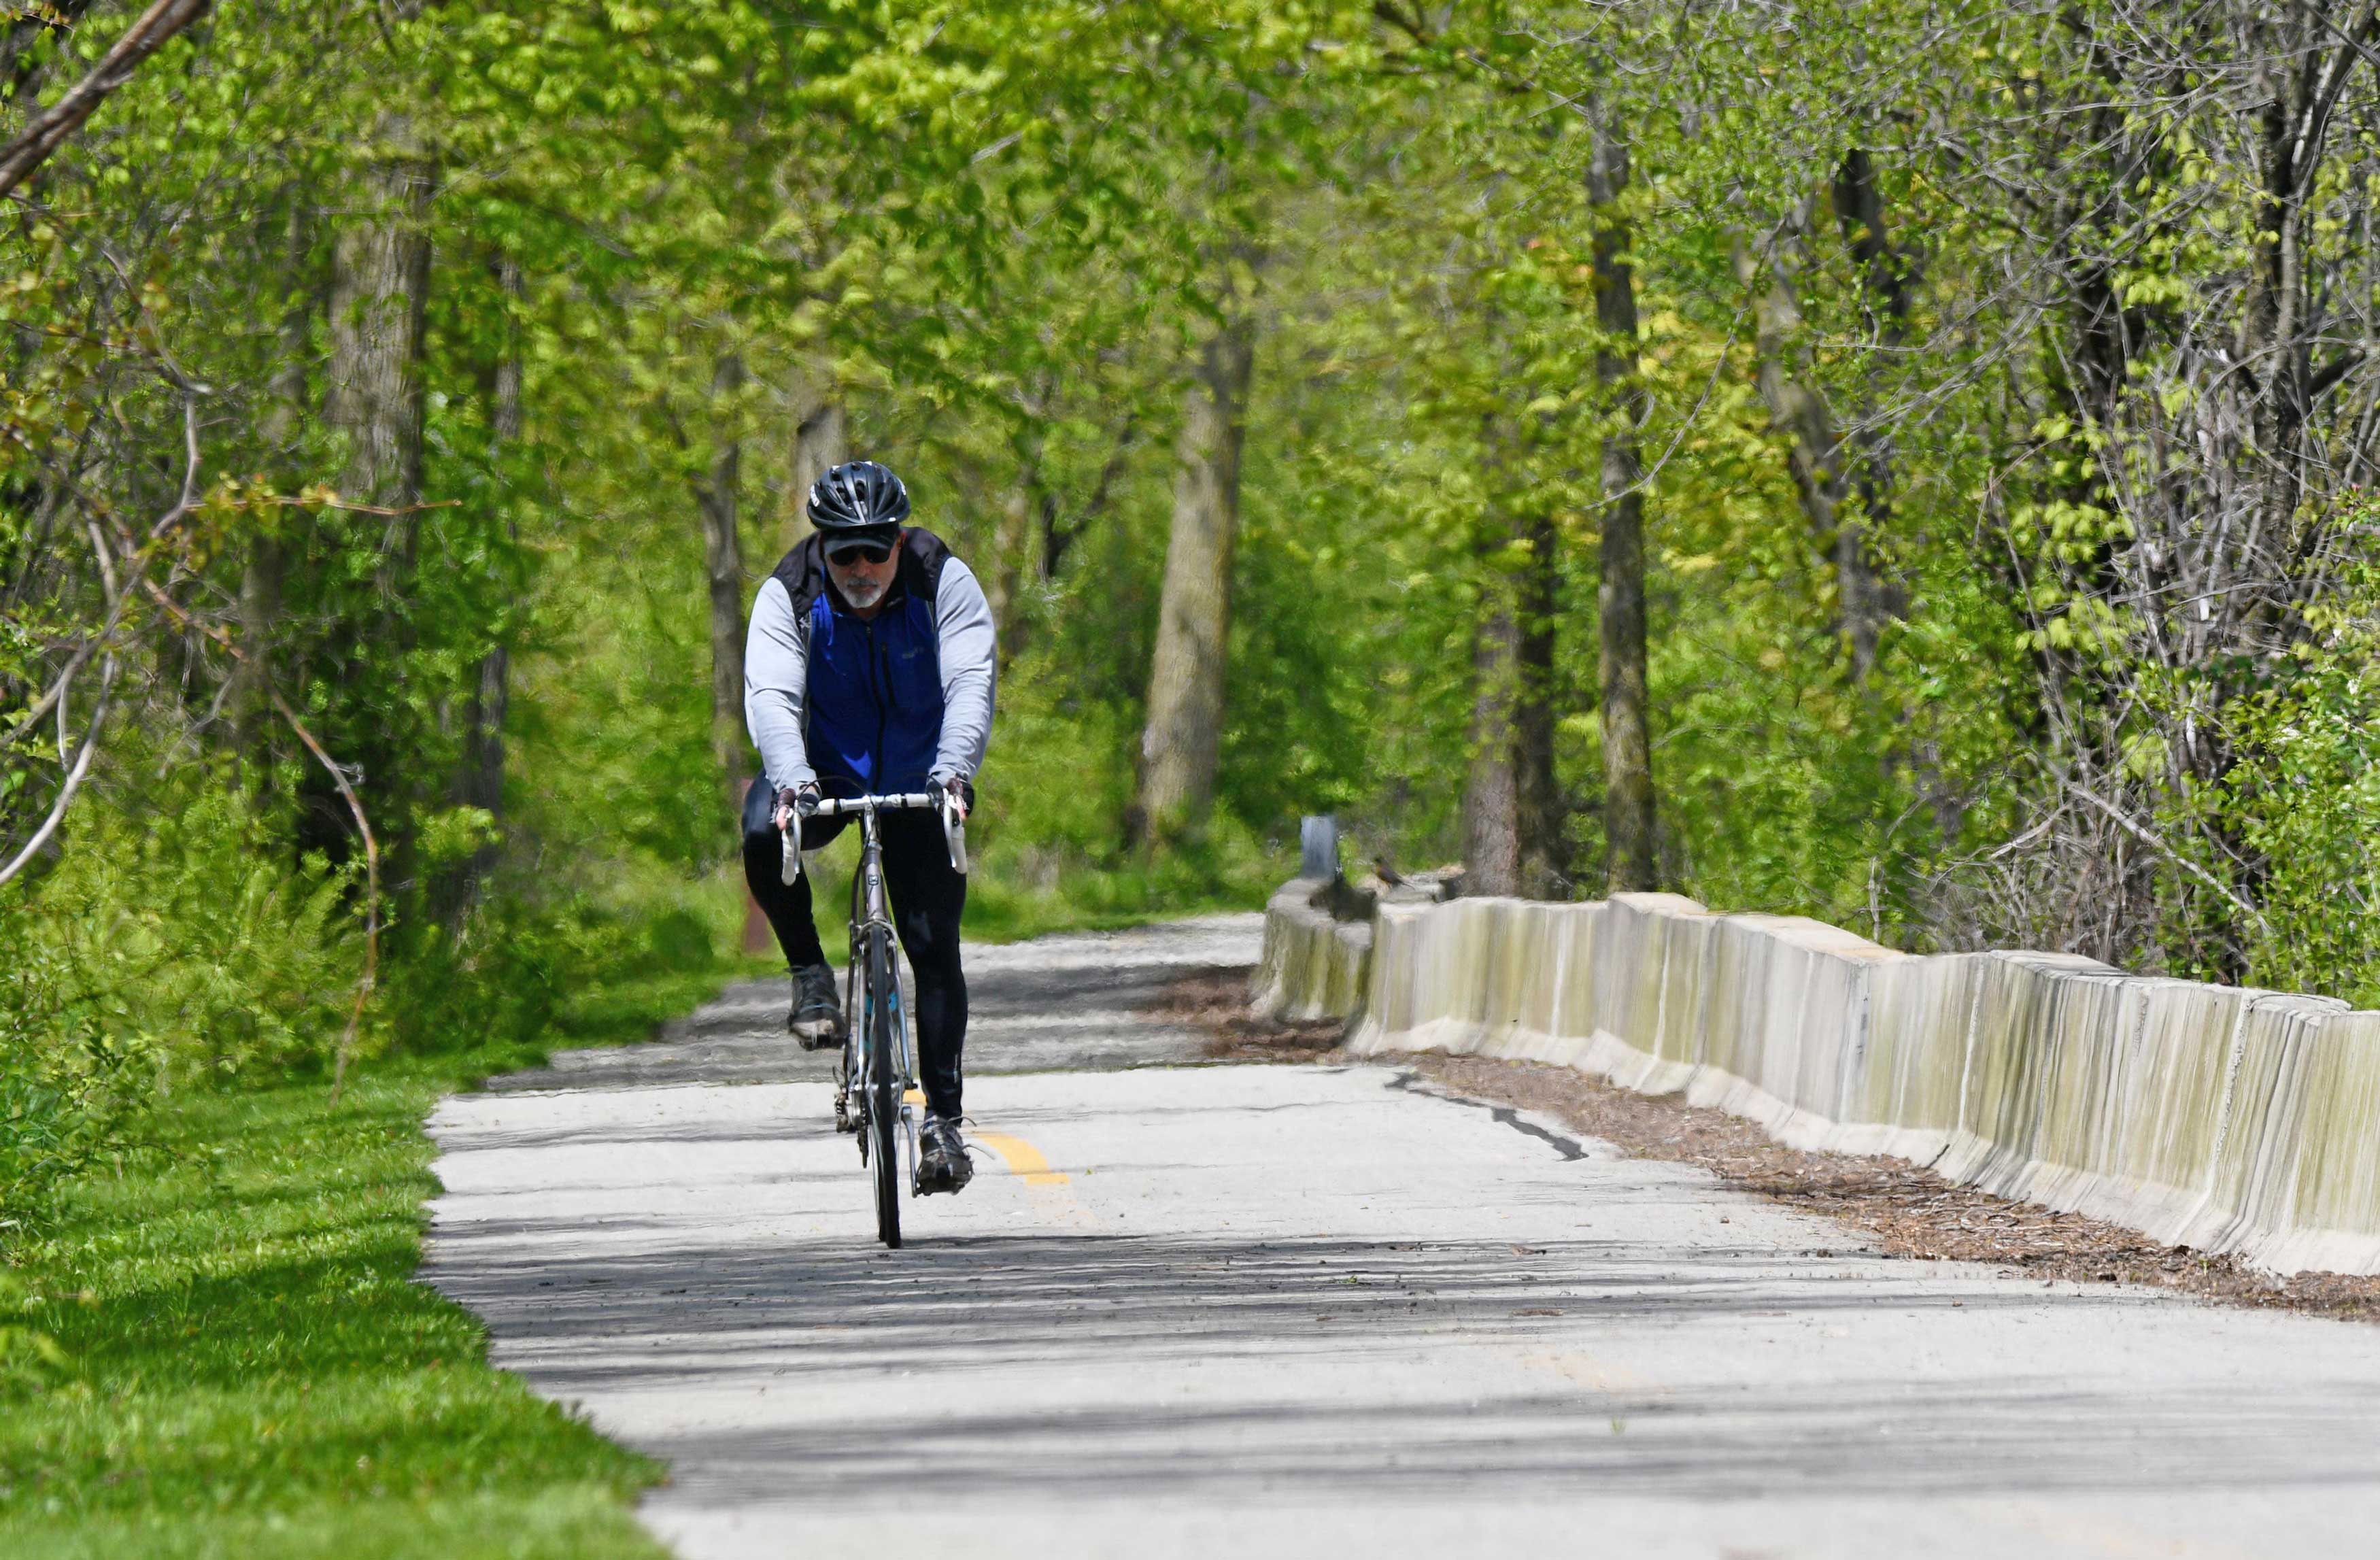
(859, 495)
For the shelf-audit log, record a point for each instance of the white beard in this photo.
(862, 593)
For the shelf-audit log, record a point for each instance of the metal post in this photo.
(1318, 843)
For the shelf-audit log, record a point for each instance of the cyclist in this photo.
(868, 668)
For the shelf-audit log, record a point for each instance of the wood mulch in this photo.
(1900, 1208)
(1217, 1000)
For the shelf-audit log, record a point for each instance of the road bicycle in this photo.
(874, 1078)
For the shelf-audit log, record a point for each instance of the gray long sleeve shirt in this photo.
(776, 679)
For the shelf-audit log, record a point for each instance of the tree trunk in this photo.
(723, 556)
(1058, 533)
(380, 287)
(1870, 598)
(821, 441)
(1491, 799)
(1633, 861)
(1016, 538)
(479, 780)
(1543, 821)
(247, 698)
(1183, 743)
(380, 291)
(1814, 456)
(1019, 541)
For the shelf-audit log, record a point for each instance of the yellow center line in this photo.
(1024, 1161)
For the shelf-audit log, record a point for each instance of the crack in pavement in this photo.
(1507, 1116)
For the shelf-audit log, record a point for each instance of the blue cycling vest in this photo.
(872, 710)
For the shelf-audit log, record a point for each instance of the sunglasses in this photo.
(852, 552)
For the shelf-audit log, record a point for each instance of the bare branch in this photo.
(2149, 837)
(370, 979)
(49, 129)
(118, 593)
(74, 777)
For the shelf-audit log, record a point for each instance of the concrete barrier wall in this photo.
(1313, 966)
(2210, 1117)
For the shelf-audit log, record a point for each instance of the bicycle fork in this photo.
(856, 1079)
(857, 1063)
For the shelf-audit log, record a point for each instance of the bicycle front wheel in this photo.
(883, 1088)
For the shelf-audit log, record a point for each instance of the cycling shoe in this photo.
(942, 1161)
(817, 1017)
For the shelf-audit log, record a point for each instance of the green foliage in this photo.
(1047, 854)
(69, 1083)
(2303, 799)
(166, 950)
(188, 942)
(990, 232)
(2298, 800)
(30, 1359)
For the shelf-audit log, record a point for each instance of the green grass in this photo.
(1001, 909)
(251, 1370)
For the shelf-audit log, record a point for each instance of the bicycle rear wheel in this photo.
(883, 1074)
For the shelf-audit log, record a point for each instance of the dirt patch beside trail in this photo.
(1215, 1000)
(1900, 1208)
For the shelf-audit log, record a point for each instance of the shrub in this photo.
(69, 1078)
(196, 940)
(169, 947)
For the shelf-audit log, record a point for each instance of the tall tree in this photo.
(716, 493)
(820, 436)
(1542, 815)
(1513, 817)
(247, 696)
(1633, 861)
(1871, 598)
(379, 292)
(479, 771)
(1182, 743)
(1492, 785)
(1018, 539)
(376, 398)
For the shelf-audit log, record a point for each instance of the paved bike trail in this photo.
(1283, 1308)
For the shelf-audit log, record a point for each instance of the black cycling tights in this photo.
(927, 900)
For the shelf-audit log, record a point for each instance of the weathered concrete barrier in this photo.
(2226, 1119)
(1313, 964)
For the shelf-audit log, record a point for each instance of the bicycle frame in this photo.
(870, 903)
(870, 912)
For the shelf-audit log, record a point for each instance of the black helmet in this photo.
(858, 495)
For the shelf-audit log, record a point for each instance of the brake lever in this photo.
(954, 833)
(791, 840)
